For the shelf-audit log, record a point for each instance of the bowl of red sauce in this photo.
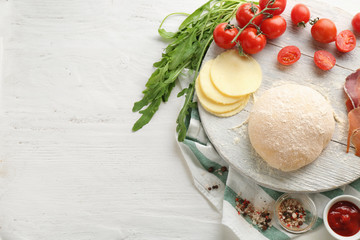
(342, 217)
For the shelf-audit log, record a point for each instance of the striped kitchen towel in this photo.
(223, 187)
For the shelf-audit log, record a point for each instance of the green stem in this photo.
(171, 14)
(251, 21)
(190, 92)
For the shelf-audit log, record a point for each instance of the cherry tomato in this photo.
(289, 55)
(281, 4)
(223, 34)
(324, 60)
(273, 27)
(300, 14)
(324, 31)
(251, 42)
(356, 22)
(345, 41)
(246, 12)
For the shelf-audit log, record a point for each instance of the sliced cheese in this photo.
(216, 108)
(209, 89)
(233, 112)
(235, 75)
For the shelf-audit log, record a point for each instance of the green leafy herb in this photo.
(187, 49)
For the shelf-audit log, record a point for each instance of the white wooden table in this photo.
(70, 166)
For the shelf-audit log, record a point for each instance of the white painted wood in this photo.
(334, 167)
(70, 166)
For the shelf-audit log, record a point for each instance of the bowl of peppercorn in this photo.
(296, 213)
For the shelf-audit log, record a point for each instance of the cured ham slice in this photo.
(355, 139)
(352, 88)
(354, 129)
(349, 105)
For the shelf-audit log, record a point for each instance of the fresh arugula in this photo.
(187, 50)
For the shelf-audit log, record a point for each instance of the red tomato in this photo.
(300, 14)
(223, 34)
(324, 60)
(251, 42)
(281, 4)
(345, 41)
(289, 55)
(246, 12)
(324, 31)
(273, 27)
(356, 22)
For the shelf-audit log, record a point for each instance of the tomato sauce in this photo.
(344, 218)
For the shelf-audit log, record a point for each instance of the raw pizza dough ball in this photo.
(290, 125)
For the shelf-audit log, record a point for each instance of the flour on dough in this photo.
(290, 125)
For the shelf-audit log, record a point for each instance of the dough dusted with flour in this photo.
(290, 125)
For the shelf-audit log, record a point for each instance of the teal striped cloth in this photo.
(200, 155)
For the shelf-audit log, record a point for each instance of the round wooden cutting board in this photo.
(229, 136)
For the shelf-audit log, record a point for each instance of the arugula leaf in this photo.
(147, 114)
(195, 15)
(186, 50)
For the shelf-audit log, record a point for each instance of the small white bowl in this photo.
(348, 198)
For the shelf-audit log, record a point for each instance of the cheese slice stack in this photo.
(225, 83)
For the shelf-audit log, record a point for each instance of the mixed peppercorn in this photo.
(291, 213)
(219, 171)
(244, 207)
(260, 218)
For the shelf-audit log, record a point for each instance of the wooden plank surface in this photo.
(70, 166)
(334, 167)
(71, 169)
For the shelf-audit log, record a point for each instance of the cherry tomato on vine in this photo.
(273, 27)
(345, 41)
(252, 42)
(280, 4)
(300, 14)
(356, 22)
(324, 60)
(289, 55)
(246, 12)
(324, 31)
(223, 34)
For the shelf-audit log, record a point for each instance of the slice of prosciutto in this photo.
(355, 139)
(349, 105)
(352, 88)
(354, 130)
